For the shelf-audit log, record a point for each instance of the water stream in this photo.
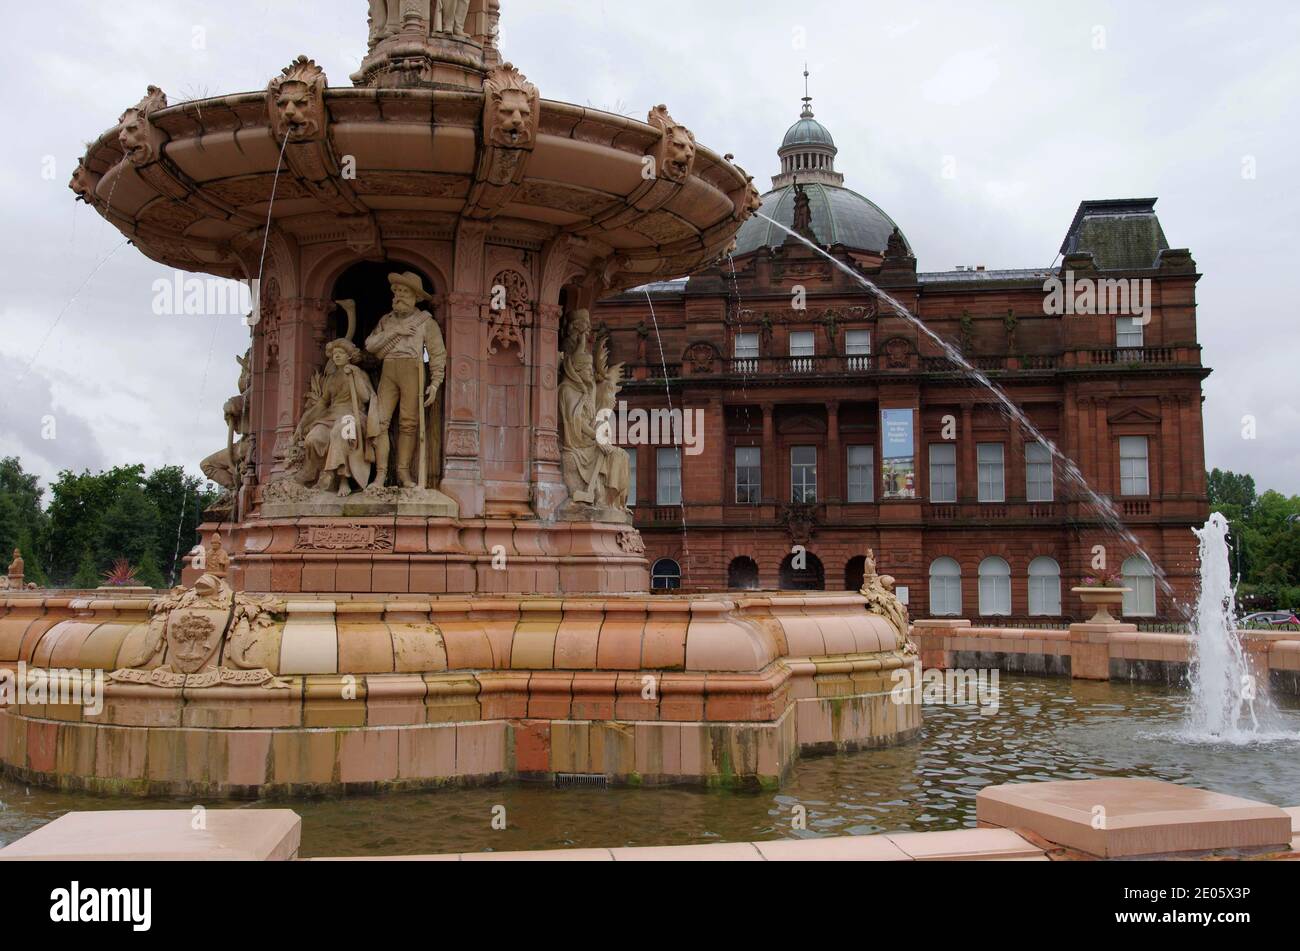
(1102, 506)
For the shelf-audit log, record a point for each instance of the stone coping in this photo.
(1130, 818)
(957, 845)
(242, 835)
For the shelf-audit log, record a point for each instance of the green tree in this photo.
(22, 521)
(179, 501)
(87, 575)
(147, 572)
(78, 506)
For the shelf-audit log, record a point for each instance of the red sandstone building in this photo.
(840, 427)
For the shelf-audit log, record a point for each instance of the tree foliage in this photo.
(93, 519)
(1265, 536)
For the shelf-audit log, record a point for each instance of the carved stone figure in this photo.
(226, 466)
(334, 427)
(510, 111)
(400, 341)
(676, 154)
(296, 99)
(16, 571)
(881, 600)
(449, 16)
(596, 472)
(137, 136)
(188, 629)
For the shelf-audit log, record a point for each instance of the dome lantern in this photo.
(808, 151)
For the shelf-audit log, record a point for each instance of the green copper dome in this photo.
(808, 131)
(839, 216)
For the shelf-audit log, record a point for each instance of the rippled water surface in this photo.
(1044, 729)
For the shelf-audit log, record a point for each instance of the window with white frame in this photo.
(862, 482)
(943, 472)
(992, 472)
(746, 353)
(1038, 473)
(668, 477)
(945, 588)
(666, 575)
(1129, 334)
(1134, 473)
(857, 348)
(1140, 579)
(803, 474)
(749, 475)
(1044, 588)
(995, 588)
(802, 348)
(631, 477)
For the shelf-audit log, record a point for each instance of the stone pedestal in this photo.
(1090, 648)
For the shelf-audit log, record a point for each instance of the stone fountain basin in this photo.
(416, 152)
(397, 691)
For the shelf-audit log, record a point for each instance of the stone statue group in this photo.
(388, 17)
(345, 429)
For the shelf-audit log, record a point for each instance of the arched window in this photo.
(742, 574)
(945, 588)
(995, 588)
(807, 575)
(855, 573)
(666, 575)
(1140, 601)
(1044, 588)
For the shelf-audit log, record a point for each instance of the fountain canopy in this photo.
(502, 216)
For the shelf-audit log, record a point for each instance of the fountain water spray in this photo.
(1223, 698)
(1103, 506)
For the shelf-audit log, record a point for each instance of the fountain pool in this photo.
(1046, 729)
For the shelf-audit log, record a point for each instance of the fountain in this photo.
(423, 570)
(1224, 687)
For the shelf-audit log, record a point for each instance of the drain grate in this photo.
(599, 780)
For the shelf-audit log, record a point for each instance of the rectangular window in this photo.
(943, 472)
(993, 484)
(802, 348)
(1128, 334)
(747, 353)
(862, 479)
(631, 477)
(1133, 471)
(1038, 473)
(803, 474)
(857, 347)
(749, 475)
(668, 477)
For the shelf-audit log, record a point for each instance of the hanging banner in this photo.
(898, 454)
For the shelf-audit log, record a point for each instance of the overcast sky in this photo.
(1039, 105)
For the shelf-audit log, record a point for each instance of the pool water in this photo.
(1043, 729)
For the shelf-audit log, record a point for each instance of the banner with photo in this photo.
(898, 453)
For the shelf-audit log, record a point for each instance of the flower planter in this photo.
(1102, 599)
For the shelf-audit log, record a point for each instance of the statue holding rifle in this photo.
(400, 341)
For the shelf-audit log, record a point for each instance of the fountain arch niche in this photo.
(494, 620)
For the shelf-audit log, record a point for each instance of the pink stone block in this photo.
(852, 848)
(427, 752)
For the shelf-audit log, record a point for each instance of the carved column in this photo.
(1106, 463)
(1170, 452)
(769, 494)
(968, 477)
(301, 338)
(547, 479)
(834, 465)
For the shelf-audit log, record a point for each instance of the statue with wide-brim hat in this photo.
(400, 341)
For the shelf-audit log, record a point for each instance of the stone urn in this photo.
(1102, 599)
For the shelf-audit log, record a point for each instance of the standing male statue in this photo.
(449, 16)
(400, 341)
